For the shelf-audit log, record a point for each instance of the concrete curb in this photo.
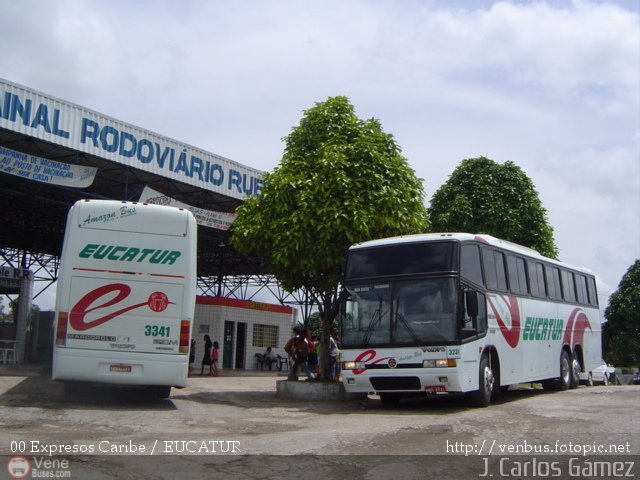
(314, 391)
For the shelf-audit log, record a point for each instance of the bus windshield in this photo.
(400, 313)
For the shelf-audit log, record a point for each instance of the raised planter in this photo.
(305, 390)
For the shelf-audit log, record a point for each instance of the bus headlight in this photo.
(353, 366)
(440, 363)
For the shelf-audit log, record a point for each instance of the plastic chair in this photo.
(282, 361)
(9, 355)
(259, 361)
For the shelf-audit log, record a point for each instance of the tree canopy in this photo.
(621, 332)
(341, 180)
(483, 196)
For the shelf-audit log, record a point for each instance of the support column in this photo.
(24, 315)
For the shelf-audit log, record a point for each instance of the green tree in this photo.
(621, 332)
(482, 196)
(4, 317)
(341, 180)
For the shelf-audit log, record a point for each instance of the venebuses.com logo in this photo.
(18, 467)
(38, 467)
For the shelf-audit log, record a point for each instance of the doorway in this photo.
(228, 345)
(241, 344)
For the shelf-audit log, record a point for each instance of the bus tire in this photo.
(564, 381)
(482, 396)
(160, 392)
(389, 399)
(575, 374)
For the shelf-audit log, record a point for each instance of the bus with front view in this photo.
(454, 313)
(125, 297)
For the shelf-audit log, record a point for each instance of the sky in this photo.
(553, 86)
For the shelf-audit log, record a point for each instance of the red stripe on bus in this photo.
(128, 273)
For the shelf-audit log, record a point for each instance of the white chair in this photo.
(8, 352)
(10, 355)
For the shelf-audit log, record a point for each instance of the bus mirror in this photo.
(471, 299)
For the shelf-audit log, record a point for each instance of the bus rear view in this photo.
(126, 295)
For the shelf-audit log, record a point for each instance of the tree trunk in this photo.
(330, 305)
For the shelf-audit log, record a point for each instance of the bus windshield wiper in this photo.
(413, 334)
(377, 315)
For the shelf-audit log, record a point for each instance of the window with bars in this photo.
(265, 335)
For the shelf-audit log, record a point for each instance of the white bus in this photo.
(444, 313)
(126, 295)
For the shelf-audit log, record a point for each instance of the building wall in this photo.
(211, 315)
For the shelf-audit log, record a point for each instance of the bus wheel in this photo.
(575, 374)
(160, 392)
(482, 396)
(389, 399)
(564, 382)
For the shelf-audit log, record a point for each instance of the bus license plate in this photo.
(435, 389)
(120, 368)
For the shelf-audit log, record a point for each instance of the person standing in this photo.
(298, 349)
(215, 353)
(334, 353)
(206, 358)
(192, 355)
(312, 358)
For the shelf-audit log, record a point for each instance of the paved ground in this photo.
(356, 439)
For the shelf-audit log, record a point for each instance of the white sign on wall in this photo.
(45, 170)
(207, 218)
(10, 277)
(47, 118)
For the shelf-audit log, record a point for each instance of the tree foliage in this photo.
(341, 180)
(482, 196)
(621, 332)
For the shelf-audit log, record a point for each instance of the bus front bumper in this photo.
(441, 380)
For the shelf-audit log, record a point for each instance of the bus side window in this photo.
(500, 271)
(470, 264)
(494, 272)
(536, 279)
(593, 293)
(568, 286)
(533, 279)
(517, 274)
(581, 284)
(482, 314)
(553, 282)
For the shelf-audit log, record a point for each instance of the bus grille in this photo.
(395, 383)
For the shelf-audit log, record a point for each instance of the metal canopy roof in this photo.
(33, 214)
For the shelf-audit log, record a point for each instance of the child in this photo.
(214, 359)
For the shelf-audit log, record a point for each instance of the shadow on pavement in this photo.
(42, 392)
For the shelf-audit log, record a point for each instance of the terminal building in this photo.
(53, 153)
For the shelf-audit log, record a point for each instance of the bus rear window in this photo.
(401, 259)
